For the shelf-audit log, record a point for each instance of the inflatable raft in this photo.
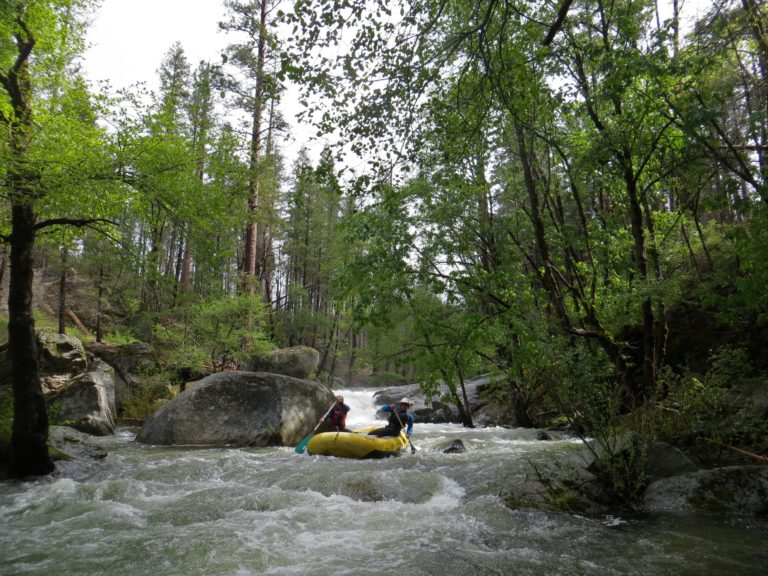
(356, 444)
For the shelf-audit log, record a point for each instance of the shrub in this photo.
(588, 394)
(215, 334)
(148, 396)
(717, 407)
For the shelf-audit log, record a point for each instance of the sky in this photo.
(127, 40)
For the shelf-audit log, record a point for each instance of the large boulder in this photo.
(298, 362)
(77, 389)
(132, 362)
(239, 409)
(664, 460)
(87, 401)
(730, 490)
(61, 354)
(60, 358)
(71, 444)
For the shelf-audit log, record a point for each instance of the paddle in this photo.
(301, 446)
(413, 448)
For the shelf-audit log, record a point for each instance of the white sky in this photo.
(128, 39)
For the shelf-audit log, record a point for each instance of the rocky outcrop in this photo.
(438, 410)
(132, 363)
(239, 409)
(730, 490)
(87, 401)
(297, 362)
(61, 356)
(78, 390)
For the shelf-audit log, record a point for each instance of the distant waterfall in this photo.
(362, 411)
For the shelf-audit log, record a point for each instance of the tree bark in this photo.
(643, 390)
(63, 292)
(77, 322)
(29, 449)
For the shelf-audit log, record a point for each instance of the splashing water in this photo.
(165, 511)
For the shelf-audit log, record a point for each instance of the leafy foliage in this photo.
(215, 334)
(718, 408)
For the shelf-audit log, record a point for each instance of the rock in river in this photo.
(239, 409)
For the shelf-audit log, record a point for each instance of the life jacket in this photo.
(338, 416)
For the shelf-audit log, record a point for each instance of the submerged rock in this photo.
(66, 443)
(456, 447)
(239, 409)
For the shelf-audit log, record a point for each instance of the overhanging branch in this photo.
(77, 222)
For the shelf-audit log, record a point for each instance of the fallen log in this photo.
(747, 453)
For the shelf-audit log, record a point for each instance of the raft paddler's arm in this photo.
(409, 429)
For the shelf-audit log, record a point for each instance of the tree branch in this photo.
(78, 222)
(558, 23)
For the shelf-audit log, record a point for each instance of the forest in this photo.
(569, 194)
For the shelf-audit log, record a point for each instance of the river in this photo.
(238, 512)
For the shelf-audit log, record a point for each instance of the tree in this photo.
(253, 90)
(571, 139)
(313, 206)
(42, 132)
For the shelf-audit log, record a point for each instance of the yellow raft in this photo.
(356, 444)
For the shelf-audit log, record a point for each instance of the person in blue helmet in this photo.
(336, 419)
(399, 418)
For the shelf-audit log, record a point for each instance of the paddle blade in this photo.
(301, 446)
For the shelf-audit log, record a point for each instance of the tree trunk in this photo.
(77, 322)
(100, 304)
(63, 292)
(186, 266)
(3, 266)
(465, 410)
(644, 389)
(29, 436)
(253, 235)
(29, 449)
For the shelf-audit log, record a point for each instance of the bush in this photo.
(717, 407)
(147, 398)
(216, 334)
(588, 394)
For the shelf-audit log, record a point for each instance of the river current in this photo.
(238, 512)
